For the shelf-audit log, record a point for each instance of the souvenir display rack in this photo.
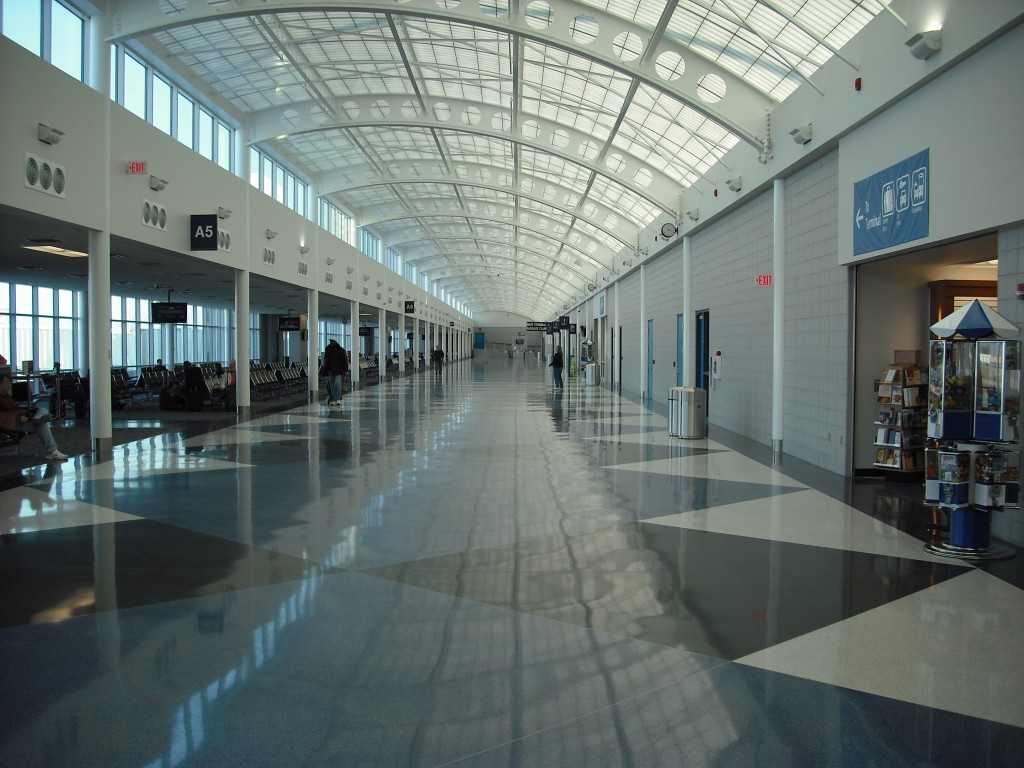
(970, 470)
(902, 416)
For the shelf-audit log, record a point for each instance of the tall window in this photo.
(68, 35)
(282, 184)
(48, 29)
(162, 104)
(186, 118)
(37, 324)
(369, 244)
(134, 98)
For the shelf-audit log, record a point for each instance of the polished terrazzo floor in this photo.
(474, 570)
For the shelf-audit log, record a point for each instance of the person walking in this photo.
(335, 367)
(437, 356)
(556, 366)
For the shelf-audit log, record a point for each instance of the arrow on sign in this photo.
(860, 218)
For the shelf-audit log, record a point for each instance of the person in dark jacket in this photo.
(556, 366)
(437, 356)
(335, 367)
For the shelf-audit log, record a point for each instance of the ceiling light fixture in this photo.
(157, 184)
(271, 234)
(735, 184)
(693, 215)
(56, 250)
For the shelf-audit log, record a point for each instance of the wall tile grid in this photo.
(726, 259)
(629, 321)
(1009, 524)
(665, 281)
(818, 342)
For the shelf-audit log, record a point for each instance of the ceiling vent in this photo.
(154, 215)
(223, 240)
(269, 256)
(348, 285)
(45, 176)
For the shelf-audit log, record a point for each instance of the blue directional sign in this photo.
(891, 207)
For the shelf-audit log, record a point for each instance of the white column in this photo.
(82, 353)
(312, 342)
(689, 369)
(100, 412)
(243, 351)
(353, 369)
(645, 386)
(382, 337)
(779, 313)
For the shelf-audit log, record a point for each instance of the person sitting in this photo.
(220, 385)
(14, 418)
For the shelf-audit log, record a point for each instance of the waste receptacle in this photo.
(687, 416)
(590, 374)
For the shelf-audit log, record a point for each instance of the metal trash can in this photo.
(590, 374)
(687, 412)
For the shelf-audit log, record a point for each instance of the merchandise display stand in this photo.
(902, 415)
(972, 467)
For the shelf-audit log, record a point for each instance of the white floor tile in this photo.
(804, 517)
(955, 646)
(27, 509)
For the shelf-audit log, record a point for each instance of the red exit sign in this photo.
(765, 281)
(137, 166)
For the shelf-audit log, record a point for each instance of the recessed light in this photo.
(56, 250)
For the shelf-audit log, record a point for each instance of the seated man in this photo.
(220, 386)
(13, 417)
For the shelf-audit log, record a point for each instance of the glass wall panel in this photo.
(134, 86)
(23, 23)
(186, 116)
(162, 101)
(66, 49)
(205, 145)
(224, 146)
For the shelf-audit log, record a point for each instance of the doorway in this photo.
(702, 345)
(680, 328)
(650, 361)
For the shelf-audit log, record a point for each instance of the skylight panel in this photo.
(617, 197)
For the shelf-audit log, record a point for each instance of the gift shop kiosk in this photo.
(972, 466)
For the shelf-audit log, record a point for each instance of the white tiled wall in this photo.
(818, 338)
(664, 302)
(1009, 524)
(629, 321)
(725, 261)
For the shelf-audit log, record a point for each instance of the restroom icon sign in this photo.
(919, 187)
(888, 198)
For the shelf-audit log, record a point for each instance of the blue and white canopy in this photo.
(976, 320)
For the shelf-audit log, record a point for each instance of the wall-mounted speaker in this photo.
(45, 176)
(154, 215)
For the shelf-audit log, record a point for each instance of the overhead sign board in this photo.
(891, 207)
(410, 307)
(204, 232)
(552, 328)
(535, 326)
(366, 331)
(563, 321)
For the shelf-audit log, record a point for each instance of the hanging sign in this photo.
(204, 232)
(891, 207)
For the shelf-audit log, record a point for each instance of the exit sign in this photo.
(765, 281)
(137, 166)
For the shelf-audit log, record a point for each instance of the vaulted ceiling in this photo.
(512, 151)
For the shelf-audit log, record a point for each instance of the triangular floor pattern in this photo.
(474, 570)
